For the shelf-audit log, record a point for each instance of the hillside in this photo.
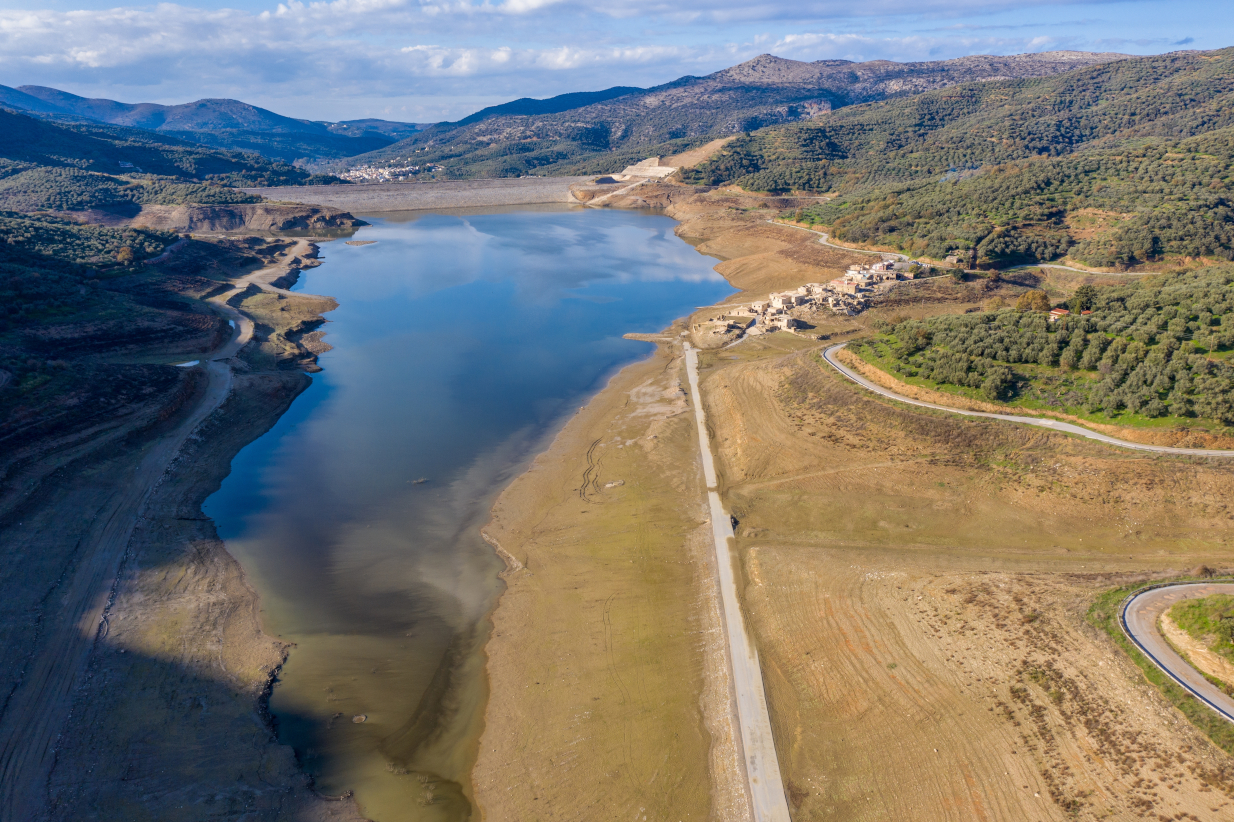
(1155, 348)
(1116, 164)
(77, 167)
(761, 92)
(222, 123)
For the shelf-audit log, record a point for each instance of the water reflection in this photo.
(460, 343)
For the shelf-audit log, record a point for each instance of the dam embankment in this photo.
(429, 196)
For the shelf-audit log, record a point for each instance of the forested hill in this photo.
(1114, 165)
(221, 123)
(73, 167)
(1159, 347)
(604, 135)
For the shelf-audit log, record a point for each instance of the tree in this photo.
(124, 255)
(997, 383)
(1033, 301)
(1083, 299)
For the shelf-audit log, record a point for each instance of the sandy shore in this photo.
(609, 673)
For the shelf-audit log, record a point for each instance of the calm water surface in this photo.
(461, 344)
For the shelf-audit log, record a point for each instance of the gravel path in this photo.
(762, 766)
(1065, 427)
(1139, 621)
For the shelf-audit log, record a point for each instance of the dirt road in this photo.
(766, 786)
(1064, 427)
(38, 708)
(1139, 621)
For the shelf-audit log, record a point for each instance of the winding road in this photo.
(762, 766)
(1139, 617)
(1054, 425)
(34, 713)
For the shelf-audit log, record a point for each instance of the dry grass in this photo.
(918, 583)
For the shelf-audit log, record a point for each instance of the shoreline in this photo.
(152, 605)
(510, 645)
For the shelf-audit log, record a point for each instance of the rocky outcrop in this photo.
(255, 217)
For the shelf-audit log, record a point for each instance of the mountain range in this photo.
(567, 133)
(221, 123)
(767, 90)
(1119, 164)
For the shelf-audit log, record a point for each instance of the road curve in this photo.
(1138, 618)
(1053, 425)
(1083, 271)
(825, 239)
(762, 766)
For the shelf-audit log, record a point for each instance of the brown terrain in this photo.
(256, 219)
(135, 670)
(918, 584)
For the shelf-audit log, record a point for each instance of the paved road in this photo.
(1139, 621)
(825, 239)
(762, 766)
(1054, 425)
(1083, 271)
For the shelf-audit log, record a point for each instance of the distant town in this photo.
(387, 174)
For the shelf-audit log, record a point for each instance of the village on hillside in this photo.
(849, 294)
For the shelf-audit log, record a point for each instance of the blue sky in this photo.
(429, 60)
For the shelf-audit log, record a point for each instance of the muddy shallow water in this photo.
(461, 343)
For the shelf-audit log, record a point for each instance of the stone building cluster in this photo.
(848, 294)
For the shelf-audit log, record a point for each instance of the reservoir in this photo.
(461, 344)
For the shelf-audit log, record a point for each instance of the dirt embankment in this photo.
(221, 219)
(156, 710)
(170, 722)
(609, 681)
(1196, 652)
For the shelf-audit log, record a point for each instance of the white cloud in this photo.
(444, 58)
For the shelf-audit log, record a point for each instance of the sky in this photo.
(432, 60)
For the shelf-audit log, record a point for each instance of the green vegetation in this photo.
(1103, 614)
(1209, 620)
(1114, 165)
(50, 267)
(1149, 350)
(70, 167)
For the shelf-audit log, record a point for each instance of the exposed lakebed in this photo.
(461, 343)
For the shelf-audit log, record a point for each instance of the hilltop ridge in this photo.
(760, 92)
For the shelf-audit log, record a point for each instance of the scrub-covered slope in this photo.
(1119, 163)
(764, 91)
